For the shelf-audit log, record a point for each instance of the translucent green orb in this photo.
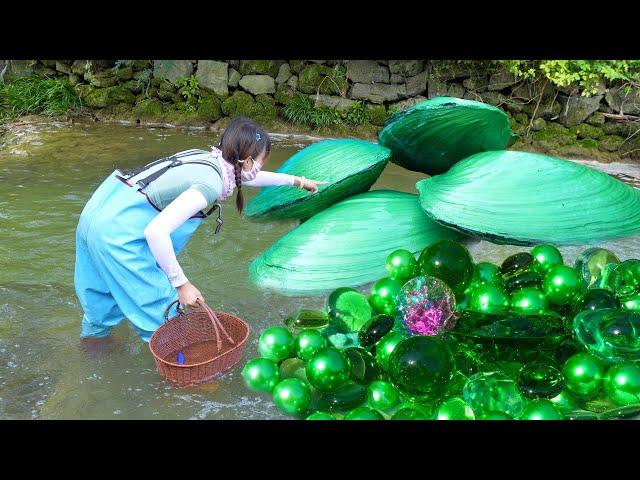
(583, 375)
(541, 410)
(622, 383)
(545, 257)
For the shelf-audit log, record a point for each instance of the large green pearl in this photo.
(583, 375)
(488, 299)
(401, 265)
(455, 409)
(495, 415)
(348, 309)
(529, 300)
(308, 342)
(321, 416)
(385, 347)
(595, 299)
(562, 285)
(363, 413)
(421, 366)
(594, 266)
(411, 411)
(632, 302)
(625, 279)
(545, 257)
(449, 261)
(276, 343)
(382, 395)
(292, 396)
(564, 401)
(327, 369)
(261, 374)
(486, 273)
(622, 383)
(541, 409)
(383, 295)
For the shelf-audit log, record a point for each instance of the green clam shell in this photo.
(350, 166)
(347, 244)
(526, 198)
(433, 135)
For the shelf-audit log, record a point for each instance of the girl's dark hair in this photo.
(241, 139)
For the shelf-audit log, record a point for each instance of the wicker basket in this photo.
(211, 342)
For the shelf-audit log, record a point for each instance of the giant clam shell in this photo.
(526, 198)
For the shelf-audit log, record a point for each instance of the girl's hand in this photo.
(310, 185)
(188, 295)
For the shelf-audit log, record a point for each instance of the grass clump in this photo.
(302, 110)
(37, 95)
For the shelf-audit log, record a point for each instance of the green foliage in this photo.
(144, 79)
(357, 114)
(37, 95)
(586, 74)
(301, 110)
(189, 89)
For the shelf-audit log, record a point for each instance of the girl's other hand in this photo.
(311, 185)
(188, 295)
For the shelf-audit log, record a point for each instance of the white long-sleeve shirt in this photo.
(186, 205)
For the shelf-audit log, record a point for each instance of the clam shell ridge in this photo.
(350, 166)
(347, 244)
(433, 135)
(525, 198)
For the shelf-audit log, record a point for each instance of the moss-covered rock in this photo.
(133, 86)
(238, 104)
(148, 109)
(327, 81)
(521, 118)
(167, 92)
(265, 108)
(102, 79)
(596, 119)
(74, 79)
(588, 143)
(547, 109)
(538, 124)
(623, 129)
(102, 97)
(555, 134)
(210, 107)
(610, 143)
(585, 130)
(124, 74)
(259, 67)
(284, 94)
(141, 65)
(377, 114)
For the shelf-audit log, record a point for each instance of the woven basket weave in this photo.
(211, 342)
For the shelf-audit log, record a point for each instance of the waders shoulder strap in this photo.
(175, 162)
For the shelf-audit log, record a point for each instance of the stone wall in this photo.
(554, 120)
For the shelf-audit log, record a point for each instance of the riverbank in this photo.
(338, 98)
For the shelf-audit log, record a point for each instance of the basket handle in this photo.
(217, 324)
(178, 308)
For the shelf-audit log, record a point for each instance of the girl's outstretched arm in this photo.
(265, 179)
(158, 234)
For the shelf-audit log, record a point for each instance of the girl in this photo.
(133, 226)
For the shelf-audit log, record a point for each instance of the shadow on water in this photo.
(47, 173)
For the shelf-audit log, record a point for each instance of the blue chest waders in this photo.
(116, 275)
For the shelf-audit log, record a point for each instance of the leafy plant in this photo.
(586, 74)
(357, 114)
(301, 110)
(144, 79)
(37, 95)
(189, 89)
(123, 64)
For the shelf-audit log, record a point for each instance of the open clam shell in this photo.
(526, 198)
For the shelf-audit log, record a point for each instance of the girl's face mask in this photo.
(249, 174)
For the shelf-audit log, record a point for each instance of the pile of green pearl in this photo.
(535, 339)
